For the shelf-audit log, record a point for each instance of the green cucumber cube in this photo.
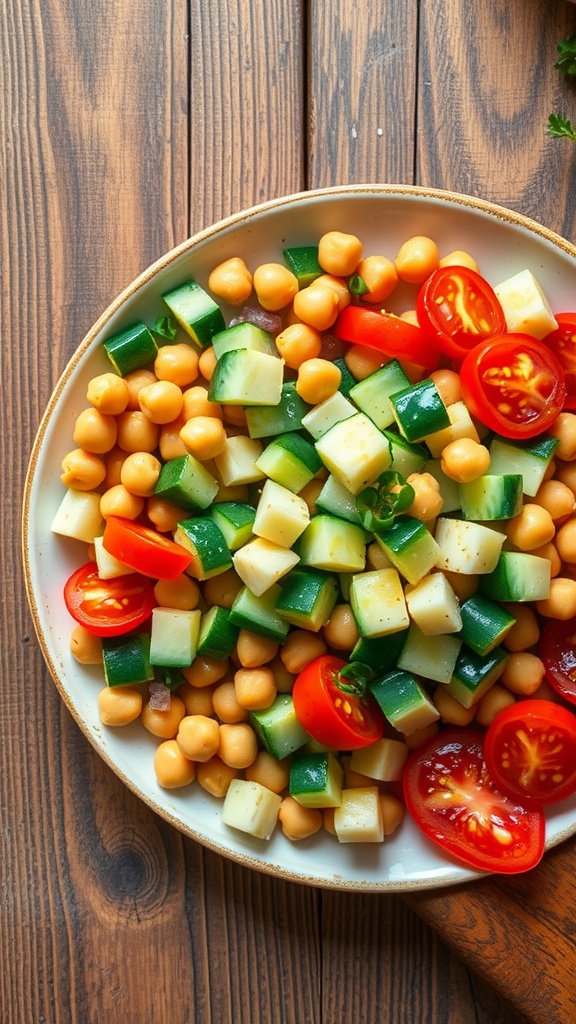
(484, 623)
(518, 576)
(492, 497)
(196, 312)
(316, 780)
(244, 376)
(126, 659)
(270, 420)
(205, 542)
(258, 614)
(290, 460)
(278, 728)
(244, 335)
(378, 603)
(186, 483)
(380, 653)
(410, 547)
(475, 674)
(372, 395)
(433, 657)
(302, 261)
(308, 598)
(131, 349)
(407, 458)
(335, 499)
(236, 521)
(333, 544)
(322, 417)
(404, 701)
(218, 636)
(419, 410)
(174, 636)
(529, 458)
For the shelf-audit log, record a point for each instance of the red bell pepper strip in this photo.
(387, 333)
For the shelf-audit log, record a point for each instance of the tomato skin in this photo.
(388, 334)
(144, 550)
(321, 707)
(450, 796)
(530, 752)
(459, 309)
(514, 385)
(108, 607)
(562, 343)
(557, 648)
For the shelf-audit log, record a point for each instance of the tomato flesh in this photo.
(562, 342)
(453, 800)
(458, 307)
(530, 751)
(514, 385)
(331, 714)
(108, 607)
(388, 334)
(144, 550)
(557, 648)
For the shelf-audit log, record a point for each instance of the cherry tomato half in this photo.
(108, 607)
(388, 334)
(562, 342)
(453, 800)
(530, 752)
(514, 385)
(557, 648)
(333, 710)
(459, 309)
(144, 550)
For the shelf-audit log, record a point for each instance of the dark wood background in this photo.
(124, 128)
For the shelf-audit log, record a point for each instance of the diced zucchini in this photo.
(372, 395)
(238, 463)
(404, 701)
(205, 542)
(525, 306)
(407, 458)
(79, 516)
(355, 451)
(218, 636)
(322, 417)
(236, 520)
(529, 458)
(419, 410)
(260, 564)
(492, 497)
(475, 674)
(243, 335)
(518, 576)
(290, 460)
(250, 807)
(196, 312)
(335, 499)
(258, 614)
(244, 376)
(308, 598)
(269, 420)
(466, 547)
(278, 728)
(333, 544)
(380, 653)
(126, 659)
(383, 760)
(358, 819)
(461, 425)
(433, 605)
(174, 636)
(432, 657)
(131, 349)
(484, 623)
(108, 566)
(347, 381)
(281, 516)
(316, 780)
(378, 604)
(410, 547)
(186, 483)
(302, 261)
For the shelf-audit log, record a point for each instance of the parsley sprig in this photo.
(559, 126)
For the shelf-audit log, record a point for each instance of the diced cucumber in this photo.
(433, 605)
(126, 659)
(243, 376)
(333, 544)
(196, 312)
(260, 564)
(355, 451)
(475, 674)
(467, 547)
(205, 542)
(359, 819)
(347, 381)
(419, 410)
(449, 489)
(518, 576)
(244, 335)
(525, 306)
(269, 420)
(484, 623)
(383, 760)
(218, 636)
(335, 499)
(380, 653)
(281, 516)
(529, 458)
(302, 261)
(278, 728)
(378, 603)
(410, 547)
(250, 807)
(174, 636)
(290, 460)
(372, 395)
(322, 417)
(404, 701)
(432, 657)
(131, 349)
(258, 614)
(316, 780)
(236, 521)
(238, 463)
(186, 483)
(407, 458)
(79, 516)
(461, 425)
(308, 598)
(491, 497)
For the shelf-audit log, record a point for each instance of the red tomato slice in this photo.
(514, 385)
(388, 334)
(454, 802)
(557, 648)
(144, 549)
(333, 710)
(459, 309)
(563, 345)
(530, 752)
(108, 607)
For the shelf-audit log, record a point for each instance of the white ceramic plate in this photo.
(383, 217)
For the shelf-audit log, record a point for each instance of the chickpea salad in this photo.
(330, 550)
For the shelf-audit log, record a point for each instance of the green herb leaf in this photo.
(560, 127)
(357, 286)
(354, 678)
(165, 327)
(388, 497)
(566, 62)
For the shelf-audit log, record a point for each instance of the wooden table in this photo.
(124, 128)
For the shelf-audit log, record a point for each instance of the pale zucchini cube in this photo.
(325, 415)
(468, 547)
(433, 605)
(108, 566)
(281, 515)
(433, 657)
(383, 760)
(461, 425)
(237, 463)
(261, 563)
(174, 636)
(525, 306)
(79, 516)
(333, 544)
(378, 603)
(358, 819)
(251, 808)
(404, 701)
(355, 451)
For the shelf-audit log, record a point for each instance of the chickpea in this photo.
(317, 306)
(298, 822)
(108, 393)
(354, 779)
(420, 736)
(164, 724)
(198, 701)
(565, 472)
(235, 415)
(95, 432)
(341, 631)
(255, 687)
(561, 603)
(556, 498)
(339, 253)
(170, 443)
(86, 648)
(225, 703)
(172, 768)
(163, 515)
(300, 648)
(204, 437)
(318, 379)
(198, 737)
(532, 528)
(161, 402)
(177, 363)
(83, 471)
(380, 277)
(119, 705)
(448, 385)
(428, 501)
(564, 428)
(223, 589)
(298, 342)
(114, 460)
(328, 820)
(139, 473)
(458, 258)
(136, 433)
(565, 541)
(215, 777)
(376, 557)
(135, 381)
(416, 259)
(392, 812)
(450, 709)
(310, 493)
(181, 592)
(523, 673)
(361, 361)
(196, 403)
(284, 678)
(464, 460)
(275, 285)
(496, 699)
(463, 584)
(338, 284)
(549, 551)
(231, 281)
(254, 650)
(525, 632)
(204, 671)
(118, 501)
(269, 772)
(207, 362)
(238, 747)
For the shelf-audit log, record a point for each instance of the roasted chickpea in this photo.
(298, 822)
(532, 528)
(119, 705)
(380, 277)
(139, 473)
(318, 379)
(231, 281)
(275, 285)
(204, 437)
(86, 648)
(108, 393)
(177, 363)
(417, 258)
(317, 306)
(95, 432)
(161, 402)
(339, 253)
(136, 433)
(118, 501)
(298, 342)
(83, 471)
(464, 460)
(198, 737)
(173, 770)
